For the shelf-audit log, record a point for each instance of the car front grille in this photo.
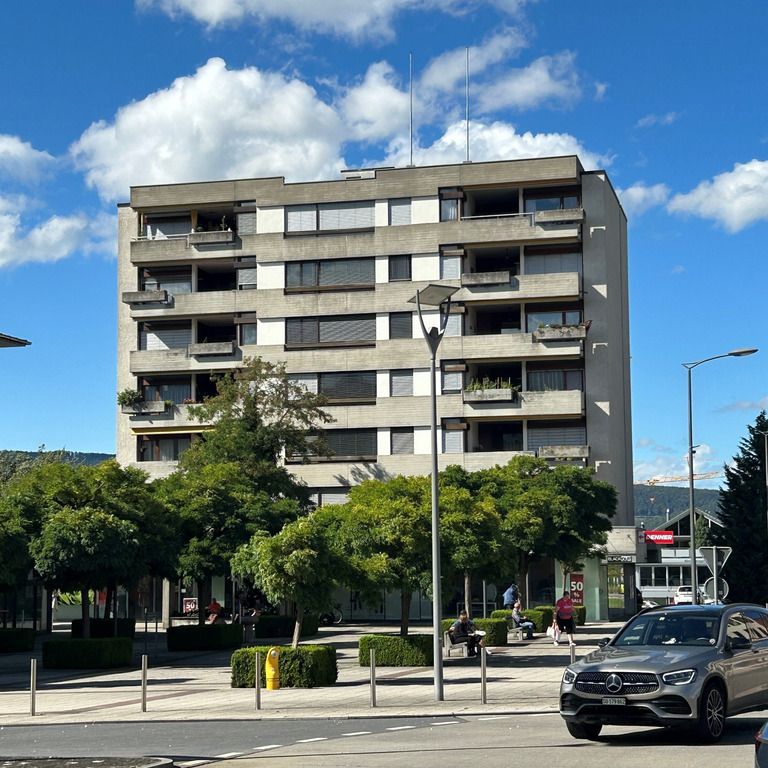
(631, 683)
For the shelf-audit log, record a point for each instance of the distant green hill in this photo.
(13, 461)
(653, 501)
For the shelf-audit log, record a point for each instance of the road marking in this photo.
(357, 733)
(191, 763)
(447, 722)
(267, 746)
(307, 741)
(495, 717)
(227, 755)
(401, 728)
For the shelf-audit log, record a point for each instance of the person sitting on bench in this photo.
(522, 621)
(463, 631)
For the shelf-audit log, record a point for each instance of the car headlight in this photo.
(683, 677)
(569, 676)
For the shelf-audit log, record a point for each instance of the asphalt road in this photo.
(490, 741)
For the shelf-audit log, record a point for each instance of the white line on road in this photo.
(317, 738)
(401, 728)
(267, 746)
(495, 717)
(357, 733)
(191, 763)
(227, 755)
(447, 722)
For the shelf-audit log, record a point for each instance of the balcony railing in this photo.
(563, 452)
(144, 407)
(501, 277)
(211, 238)
(561, 332)
(492, 395)
(212, 348)
(561, 216)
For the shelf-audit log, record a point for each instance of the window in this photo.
(346, 386)
(401, 383)
(554, 317)
(159, 336)
(400, 211)
(246, 279)
(450, 267)
(539, 437)
(551, 200)
(399, 268)
(352, 443)
(157, 448)
(453, 326)
(545, 261)
(450, 204)
(163, 227)
(342, 330)
(308, 381)
(402, 440)
(555, 380)
(329, 217)
(401, 325)
(175, 390)
(248, 333)
(453, 440)
(174, 281)
(453, 381)
(334, 273)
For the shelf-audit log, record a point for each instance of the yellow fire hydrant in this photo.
(273, 669)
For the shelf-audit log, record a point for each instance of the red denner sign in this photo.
(660, 537)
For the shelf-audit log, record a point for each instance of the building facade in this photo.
(536, 353)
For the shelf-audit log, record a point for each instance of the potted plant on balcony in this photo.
(129, 398)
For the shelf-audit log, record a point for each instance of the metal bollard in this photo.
(373, 677)
(483, 691)
(144, 660)
(32, 685)
(573, 653)
(257, 680)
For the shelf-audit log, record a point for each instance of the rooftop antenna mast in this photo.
(466, 99)
(410, 87)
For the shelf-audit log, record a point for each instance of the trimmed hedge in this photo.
(15, 640)
(100, 653)
(307, 666)
(101, 628)
(209, 637)
(579, 613)
(396, 651)
(282, 626)
(495, 629)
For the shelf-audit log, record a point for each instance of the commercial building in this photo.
(536, 353)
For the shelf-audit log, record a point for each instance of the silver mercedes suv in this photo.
(680, 665)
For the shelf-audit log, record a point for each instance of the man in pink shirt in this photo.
(564, 616)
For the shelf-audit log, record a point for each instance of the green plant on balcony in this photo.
(129, 397)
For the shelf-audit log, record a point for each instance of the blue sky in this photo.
(668, 97)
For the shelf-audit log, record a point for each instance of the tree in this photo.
(743, 515)
(84, 549)
(14, 554)
(298, 564)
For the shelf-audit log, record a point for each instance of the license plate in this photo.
(615, 701)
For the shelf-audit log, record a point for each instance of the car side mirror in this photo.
(603, 641)
(737, 643)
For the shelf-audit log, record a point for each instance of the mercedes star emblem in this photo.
(613, 683)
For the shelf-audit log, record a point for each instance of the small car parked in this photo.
(680, 665)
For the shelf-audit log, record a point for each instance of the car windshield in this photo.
(669, 628)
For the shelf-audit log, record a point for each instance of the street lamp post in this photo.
(437, 296)
(691, 511)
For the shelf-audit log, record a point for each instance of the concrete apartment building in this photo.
(536, 353)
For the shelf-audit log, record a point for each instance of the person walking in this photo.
(564, 616)
(511, 596)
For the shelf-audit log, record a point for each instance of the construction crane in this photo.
(681, 478)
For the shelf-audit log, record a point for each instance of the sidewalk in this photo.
(522, 677)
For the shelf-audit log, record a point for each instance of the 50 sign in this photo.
(577, 588)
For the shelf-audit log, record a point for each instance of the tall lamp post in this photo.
(691, 510)
(435, 296)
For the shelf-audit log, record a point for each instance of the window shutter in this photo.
(333, 497)
(157, 338)
(352, 215)
(542, 436)
(299, 330)
(401, 383)
(248, 333)
(453, 326)
(399, 268)
(300, 218)
(355, 385)
(347, 272)
(352, 442)
(246, 278)
(452, 381)
(453, 441)
(348, 329)
(306, 380)
(402, 440)
(401, 325)
(400, 211)
(450, 267)
(246, 223)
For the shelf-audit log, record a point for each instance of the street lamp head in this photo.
(433, 295)
(742, 352)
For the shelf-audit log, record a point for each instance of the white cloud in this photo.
(648, 120)
(746, 405)
(640, 197)
(214, 124)
(20, 160)
(446, 71)
(678, 269)
(350, 18)
(660, 465)
(600, 91)
(376, 108)
(494, 141)
(547, 80)
(53, 239)
(734, 199)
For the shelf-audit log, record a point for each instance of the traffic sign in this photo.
(722, 589)
(709, 554)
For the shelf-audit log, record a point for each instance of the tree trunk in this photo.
(84, 613)
(297, 626)
(201, 612)
(405, 611)
(468, 593)
(522, 580)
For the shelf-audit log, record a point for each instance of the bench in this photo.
(517, 633)
(449, 646)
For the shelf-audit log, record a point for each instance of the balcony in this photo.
(561, 332)
(504, 403)
(212, 348)
(492, 395)
(556, 285)
(145, 297)
(562, 216)
(473, 279)
(563, 452)
(144, 408)
(215, 237)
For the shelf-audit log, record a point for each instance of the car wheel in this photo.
(584, 730)
(711, 714)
